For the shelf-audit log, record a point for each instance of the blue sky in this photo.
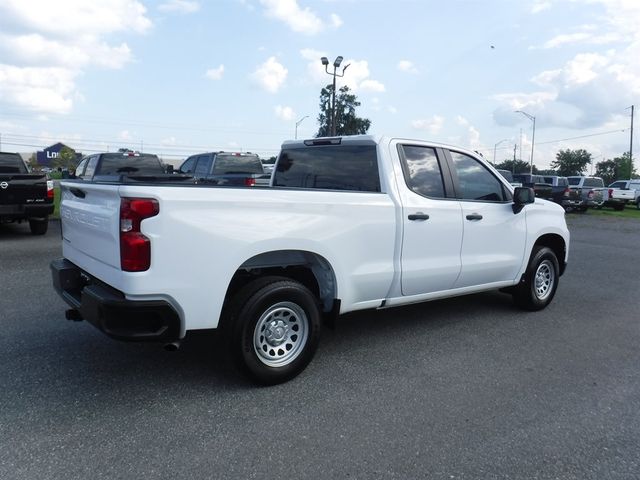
(178, 77)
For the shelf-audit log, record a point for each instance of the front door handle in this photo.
(419, 216)
(474, 216)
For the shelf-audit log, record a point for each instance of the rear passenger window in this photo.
(475, 181)
(91, 166)
(422, 170)
(348, 167)
(204, 165)
(188, 165)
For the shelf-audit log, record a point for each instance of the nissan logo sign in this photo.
(4, 185)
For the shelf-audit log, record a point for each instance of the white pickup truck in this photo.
(347, 224)
(625, 191)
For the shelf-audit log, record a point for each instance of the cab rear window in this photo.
(343, 167)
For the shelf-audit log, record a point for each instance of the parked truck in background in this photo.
(541, 188)
(349, 223)
(226, 169)
(24, 196)
(591, 190)
(115, 165)
(625, 192)
(562, 194)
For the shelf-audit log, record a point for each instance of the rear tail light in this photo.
(50, 189)
(590, 194)
(611, 193)
(135, 248)
(566, 192)
(249, 182)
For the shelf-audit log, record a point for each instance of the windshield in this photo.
(117, 164)
(618, 185)
(574, 181)
(228, 164)
(12, 163)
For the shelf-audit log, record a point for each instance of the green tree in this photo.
(571, 162)
(347, 122)
(616, 169)
(65, 159)
(517, 166)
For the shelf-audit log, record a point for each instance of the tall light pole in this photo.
(336, 64)
(631, 144)
(495, 147)
(533, 136)
(298, 123)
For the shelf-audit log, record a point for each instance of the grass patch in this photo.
(56, 202)
(630, 211)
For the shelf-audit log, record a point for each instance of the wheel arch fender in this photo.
(311, 269)
(557, 243)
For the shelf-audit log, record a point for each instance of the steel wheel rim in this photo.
(544, 280)
(280, 334)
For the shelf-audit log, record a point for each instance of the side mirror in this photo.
(522, 196)
(169, 168)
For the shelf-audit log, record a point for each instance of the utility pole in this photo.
(631, 145)
(533, 137)
(513, 165)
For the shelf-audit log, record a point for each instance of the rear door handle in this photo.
(77, 192)
(474, 216)
(419, 216)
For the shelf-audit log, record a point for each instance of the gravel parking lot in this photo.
(459, 389)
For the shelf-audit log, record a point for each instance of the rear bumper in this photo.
(109, 311)
(16, 211)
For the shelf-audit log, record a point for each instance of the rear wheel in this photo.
(273, 329)
(540, 281)
(38, 226)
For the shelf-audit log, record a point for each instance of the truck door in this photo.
(493, 236)
(432, 221)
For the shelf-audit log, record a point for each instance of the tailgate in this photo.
(23, 189)
(90, 216)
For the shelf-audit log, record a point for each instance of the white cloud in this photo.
(566, 38)
(540, 6)
(168, 142)
(179, 6)
(592, 88)
(407, 66)
(45, 90)
(271, 75)
(433, 125)
(49, 44)
(125, 135)
(336, 21)
(285, 113)
(300, 20)
(391, 109)
(371, 86)
(215, 73)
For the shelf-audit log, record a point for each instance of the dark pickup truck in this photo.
(24, 195)
(541, 188)
(563, 195)
(115, 165)
(226, 169)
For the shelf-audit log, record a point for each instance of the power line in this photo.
(570, 138)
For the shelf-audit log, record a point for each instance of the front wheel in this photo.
(540, 281)
(274, 329)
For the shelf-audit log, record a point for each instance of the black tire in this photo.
(540, 281)
(38, 226)
(272, 328)
(638, 204)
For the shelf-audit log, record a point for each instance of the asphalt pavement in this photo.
(468, 388)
